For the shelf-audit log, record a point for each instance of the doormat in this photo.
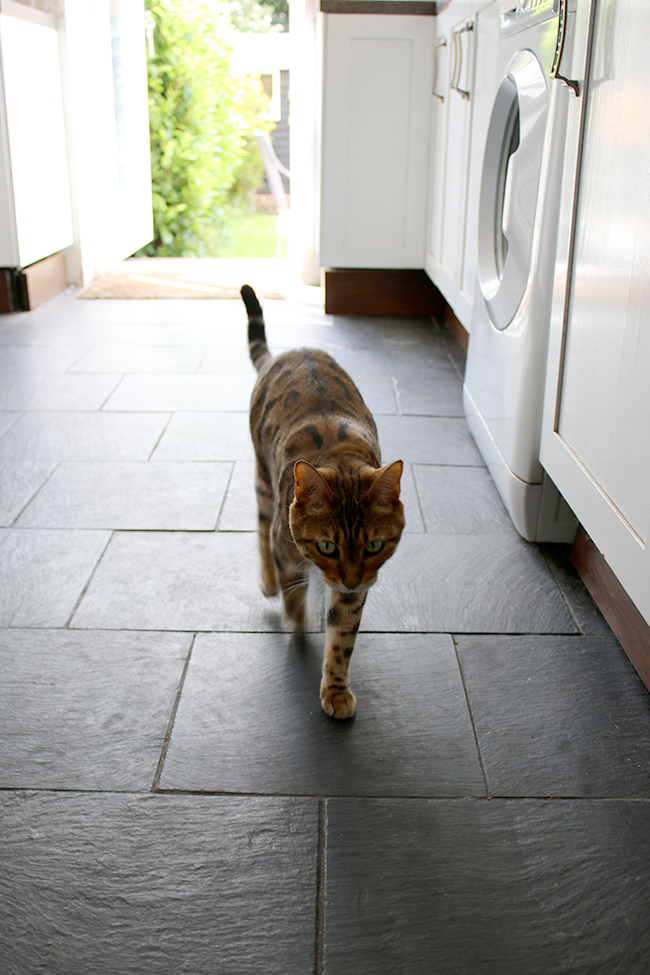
(164, 286)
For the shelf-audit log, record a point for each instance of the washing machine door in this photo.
(510, 185)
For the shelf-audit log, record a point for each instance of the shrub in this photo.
(204, 159)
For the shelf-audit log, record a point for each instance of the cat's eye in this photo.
(327, 548)
(373, 547)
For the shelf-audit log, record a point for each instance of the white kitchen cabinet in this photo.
(465, 58)
(596, 426)
(377, 78)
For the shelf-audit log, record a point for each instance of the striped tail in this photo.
(257, 347)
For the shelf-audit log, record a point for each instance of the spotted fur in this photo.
(322, 495)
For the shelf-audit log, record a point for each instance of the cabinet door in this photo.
(596, 428)
(466, 48)
(378, 72)
(449, 155)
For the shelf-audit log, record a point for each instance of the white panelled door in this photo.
(596, 428)
(378, 73)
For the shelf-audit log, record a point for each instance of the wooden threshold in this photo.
(625, 620)
(371, 291)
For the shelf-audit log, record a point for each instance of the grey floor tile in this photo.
(585, 612)
(43, 573)
(82, 436)
(558, 716)
(178, 581)
(460, 501)
(7, 420)
(371, 372)
(472, 887)
(39, 359)
(250, 720)
(430, 396)
(427, 440)
(171, 393)
(412, 511)
(139, 359)
(152, 885)
(130, 495)
(239, 511)
(19, 482)
(223, 361)
(86, 710)
(205, 436)
(48, 391)
(466, 584)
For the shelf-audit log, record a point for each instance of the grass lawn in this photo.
(253, 235)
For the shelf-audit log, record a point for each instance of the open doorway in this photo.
(219, 85)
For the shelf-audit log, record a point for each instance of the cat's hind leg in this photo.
(264, 494)
(343, 619)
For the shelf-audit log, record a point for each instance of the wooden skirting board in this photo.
(362, 291)
(27, 288)
(625, 620)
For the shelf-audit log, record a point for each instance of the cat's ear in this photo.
(310, 487)
(385, 487)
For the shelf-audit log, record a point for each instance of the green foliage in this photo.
(204, 159)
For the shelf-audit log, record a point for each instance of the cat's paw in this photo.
(338, 703)
(269, 582)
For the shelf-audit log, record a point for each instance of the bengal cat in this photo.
(322, 495)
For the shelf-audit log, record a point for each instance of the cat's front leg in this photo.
(343, 619)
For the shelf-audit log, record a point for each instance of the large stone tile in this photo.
(130, 495)
(223, 361)
(250, 720)
(558, 716)
(7, 420)
(37, 358)
(470, 887)
(19, 481)
(427, 440)
(86, 710)
(430, 396)
(206, 436)
(140, 359)
(47, 391)
(154, 885)
(82, 436)
(173, 392)
(178, 581)
(460, 501)
(43, 573)
(371, 372)
(466, 584)
(239, 511)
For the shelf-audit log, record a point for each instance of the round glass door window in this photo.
(510, 186)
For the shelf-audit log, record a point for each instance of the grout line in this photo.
(172, 719)
(114, 390)
(320, 885)
(471, 718)
(57, 464)
(92, 574)
(225, 495)
(162, 434)
(551, 569)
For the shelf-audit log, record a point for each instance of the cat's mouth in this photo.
(337, 587)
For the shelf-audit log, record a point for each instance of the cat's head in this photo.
(347, 524)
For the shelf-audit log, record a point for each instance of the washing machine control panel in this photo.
(516, 15)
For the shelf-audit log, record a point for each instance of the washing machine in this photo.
(517, 230)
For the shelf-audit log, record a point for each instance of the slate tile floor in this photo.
(173, 798)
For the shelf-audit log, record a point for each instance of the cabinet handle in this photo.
(559, 49)
(458, 43)
(443, 43)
